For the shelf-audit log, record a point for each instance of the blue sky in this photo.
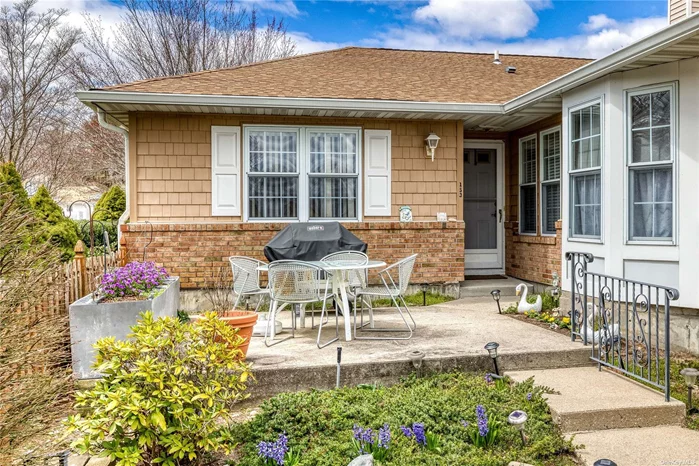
(578, 28)
(542, 27)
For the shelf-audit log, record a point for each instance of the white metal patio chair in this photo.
(296, 282)
(395, 291)
(246, 279)
(355, 278)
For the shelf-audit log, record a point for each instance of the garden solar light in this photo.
(604, 463)
(416, 358)
(496, 297)
(517, 419)
(431, 143)
(492, 349)
(425, 288)
(690, 378)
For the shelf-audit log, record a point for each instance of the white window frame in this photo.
(573, 173)
(543, 182)
(529, 183)
(629, 165)
(303, 171)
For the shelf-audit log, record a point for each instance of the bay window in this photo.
(527, 185)
(586, 171)
(302, 173)
(650, 163)
(550, 180)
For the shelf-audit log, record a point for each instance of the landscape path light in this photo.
(690, 378)
(496, 297)
(492, 349)
(517, 419)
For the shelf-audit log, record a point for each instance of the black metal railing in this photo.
(626, 322)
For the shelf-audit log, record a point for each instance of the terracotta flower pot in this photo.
(244, 321)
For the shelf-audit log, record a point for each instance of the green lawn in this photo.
(319, 423)
(416, 299)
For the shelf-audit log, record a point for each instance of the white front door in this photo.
(483, 207)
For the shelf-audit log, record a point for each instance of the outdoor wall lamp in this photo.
(492, 349)
(517, 419)
(431, 143)
(690, 378)
(496, 297)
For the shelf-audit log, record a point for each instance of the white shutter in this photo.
(225, 170)
(377, 172)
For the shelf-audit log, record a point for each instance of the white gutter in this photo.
(103, 123)
(150, 98)
(657, 41)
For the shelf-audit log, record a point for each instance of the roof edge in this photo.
(150, 98)
(667, 36)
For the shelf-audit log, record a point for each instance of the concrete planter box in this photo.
(90, 321)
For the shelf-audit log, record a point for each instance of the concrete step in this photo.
(479, 288)
(648, 446)
(588, 399)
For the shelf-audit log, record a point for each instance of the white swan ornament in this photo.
(523, 305)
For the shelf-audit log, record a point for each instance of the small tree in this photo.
(111, 205)
(11, 183)
(56, 228)
(34, 381)
(164, 394)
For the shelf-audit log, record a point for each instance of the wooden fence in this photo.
(80, 277)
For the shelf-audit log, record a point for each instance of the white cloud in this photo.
(481, 18)
(305, 44)
(283, 7)
(597, 22)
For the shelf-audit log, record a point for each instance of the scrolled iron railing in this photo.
(626, 322)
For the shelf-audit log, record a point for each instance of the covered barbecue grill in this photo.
(312, 242)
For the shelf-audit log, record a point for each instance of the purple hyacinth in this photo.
(407, 431)
(274, 451)
(488, 379)
(384, 436)
(419, 433)
(529, 397)
(482, 421)
(364, 437)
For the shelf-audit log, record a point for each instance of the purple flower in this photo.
(407, 431)
(364, 437)
(482, 421)
(384, 436)
(419, 433)
(464, 423)
(134, 279)
(274, 451)
(488, 379)
(529, 397)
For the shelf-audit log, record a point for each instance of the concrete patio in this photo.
(452, 336)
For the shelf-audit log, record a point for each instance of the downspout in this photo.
(104, 124)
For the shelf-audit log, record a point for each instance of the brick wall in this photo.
(170, 156)
(195, 251)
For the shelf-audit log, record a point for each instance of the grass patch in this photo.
(415, 299)
(319, 423)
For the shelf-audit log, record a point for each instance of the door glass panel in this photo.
(480, 200)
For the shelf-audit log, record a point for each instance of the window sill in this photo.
(585, 240)
(650, 243)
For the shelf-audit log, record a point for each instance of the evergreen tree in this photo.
(11, 182)
(111, 205)
(58, 229)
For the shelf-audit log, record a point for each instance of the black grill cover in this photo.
(312, 242)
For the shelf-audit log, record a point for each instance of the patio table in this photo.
(340, 283)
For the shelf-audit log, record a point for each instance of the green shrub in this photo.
(57, 229)
(319, 424)
(11, 183)
(164, 394)
(111, 205)
(99, 227)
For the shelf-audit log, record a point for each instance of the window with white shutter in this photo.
(377, 172)
(225, 170)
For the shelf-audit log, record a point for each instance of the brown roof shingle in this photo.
(367, 73)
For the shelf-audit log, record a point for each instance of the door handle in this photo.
(500, 212)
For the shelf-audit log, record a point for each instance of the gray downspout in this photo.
(103, 123)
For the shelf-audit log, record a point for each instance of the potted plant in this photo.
(115, 306)
(220, 295)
